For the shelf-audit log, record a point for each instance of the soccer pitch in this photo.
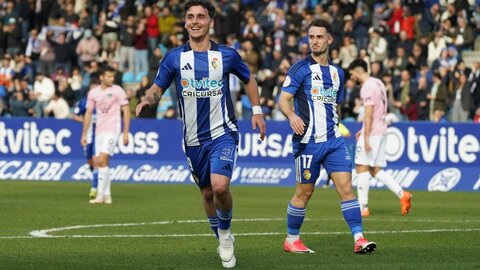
(50, 225)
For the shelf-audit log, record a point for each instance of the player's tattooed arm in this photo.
(154, 94)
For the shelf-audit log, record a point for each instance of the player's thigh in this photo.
(198, 161)
(223, 157)
(308, 163)
(105, 143)
(378, 148)
(362, 157)
(337, 157)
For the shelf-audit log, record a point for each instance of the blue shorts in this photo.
(89, 150)
(214, 157)
(332, 155)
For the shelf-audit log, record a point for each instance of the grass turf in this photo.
(403, 242)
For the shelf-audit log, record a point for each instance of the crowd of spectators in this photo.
(50, 50)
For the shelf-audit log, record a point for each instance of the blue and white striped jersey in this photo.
(317, 90)
(202, 81)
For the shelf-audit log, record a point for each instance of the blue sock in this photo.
(352, 215)
(295, 218)
(224, 219)
(95, 178)
(214, 224)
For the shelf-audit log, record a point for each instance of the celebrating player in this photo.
(316, 87)
(371, 140)
(201, 71)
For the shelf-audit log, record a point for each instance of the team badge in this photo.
(307, 174)
(287, 81)
(335, 77)
(215, 63)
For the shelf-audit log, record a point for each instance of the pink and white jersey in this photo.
(373, 93)
(107, 104)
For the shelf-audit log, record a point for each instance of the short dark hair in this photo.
(321, 23)
(107, 68)
(358, 63)
(204, 3)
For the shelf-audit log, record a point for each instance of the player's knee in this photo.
(304, 195)
(221, 189)
(207, 194)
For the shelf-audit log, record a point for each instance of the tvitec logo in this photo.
(444, 146)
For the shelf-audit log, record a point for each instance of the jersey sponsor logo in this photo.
(445, 180)
(203, 84)
(326, 95)
(201, 94)
(287, 81)
(187, 67)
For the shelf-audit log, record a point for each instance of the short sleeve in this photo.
(293, 79)
(239, 68)
(122, 96)
(90, 101)
(341, 89)
(166, 71)
(366, 94)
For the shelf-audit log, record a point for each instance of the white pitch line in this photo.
(238, 234)
(45, 233)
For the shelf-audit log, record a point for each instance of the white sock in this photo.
(108, 183)
(102, 181)
(223, 233)
(390, 183)
(363, 186)
(292, 238)
(357, 236)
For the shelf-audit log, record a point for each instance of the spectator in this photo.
(87, 49)
(166, 23)
(19, 104)
(151, 25)
(127, 49)
(58, 107)
(43, 90)
(438, 98)
(141, 49)
(461, 102)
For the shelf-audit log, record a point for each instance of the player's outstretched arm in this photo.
(295, 121)
(86, 123)
(152, 97)
(251, 88)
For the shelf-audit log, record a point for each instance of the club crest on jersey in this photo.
(335, 76)
(287, 81)
(307, 174)
(215, 63)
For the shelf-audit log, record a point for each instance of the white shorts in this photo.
(105, 143)
(376, 156)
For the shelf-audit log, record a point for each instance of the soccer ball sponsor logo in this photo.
(445, 180)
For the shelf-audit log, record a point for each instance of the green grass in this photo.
(27, 206)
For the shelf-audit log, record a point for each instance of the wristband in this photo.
(257, 110)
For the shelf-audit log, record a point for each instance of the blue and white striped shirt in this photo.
(202, 81)
(317, 90)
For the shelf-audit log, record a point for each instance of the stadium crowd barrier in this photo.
(421, 156)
